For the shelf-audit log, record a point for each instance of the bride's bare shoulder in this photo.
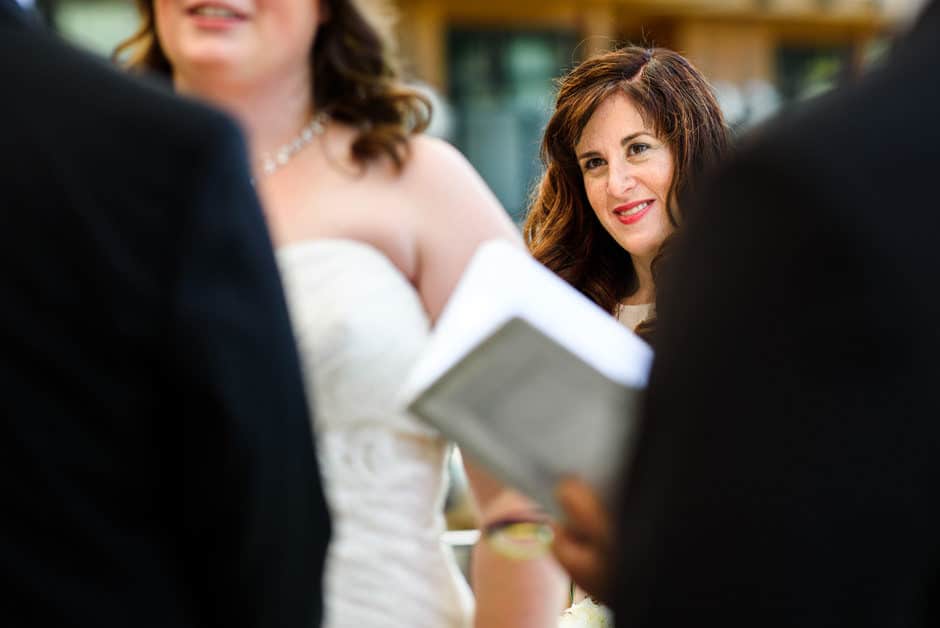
(437, 175)
(428, 156)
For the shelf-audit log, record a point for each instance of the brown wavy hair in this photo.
(677, 103)
(355, 76)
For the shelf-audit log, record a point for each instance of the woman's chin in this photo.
(210, 69)
(641, 246)
(214, 56)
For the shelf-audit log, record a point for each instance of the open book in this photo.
(529, 377)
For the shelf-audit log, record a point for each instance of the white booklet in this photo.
(529, 377)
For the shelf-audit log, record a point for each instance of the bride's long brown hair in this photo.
(355, 76)
(677, 102)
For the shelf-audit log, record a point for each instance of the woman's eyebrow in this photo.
(632, 137)
(623, 142)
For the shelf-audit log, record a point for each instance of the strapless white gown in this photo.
(360, 326)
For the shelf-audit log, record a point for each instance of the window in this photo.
(502, 92)
(805, 71)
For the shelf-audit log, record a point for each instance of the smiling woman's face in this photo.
(627, 172)
(236, 41)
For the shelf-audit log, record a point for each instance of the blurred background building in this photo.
(495, 59)
(489, 64)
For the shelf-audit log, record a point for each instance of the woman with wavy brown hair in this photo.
(373, 224)
(631, 132)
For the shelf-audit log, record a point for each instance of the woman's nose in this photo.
(621, 180)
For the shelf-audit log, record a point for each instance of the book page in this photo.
(502, 281)
(529, 377)
(530, 411)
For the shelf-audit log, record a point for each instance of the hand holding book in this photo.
(584, 545)
(530, 378)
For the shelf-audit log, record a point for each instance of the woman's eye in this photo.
(636, 149)
(593, 162)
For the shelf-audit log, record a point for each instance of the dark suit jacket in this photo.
(159, 468)
(788, 469)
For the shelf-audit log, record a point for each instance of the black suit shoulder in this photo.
(46, 75)
(93, 150)
(862, 159)
(83, 118)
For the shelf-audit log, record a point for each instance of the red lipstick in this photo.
(628, 218)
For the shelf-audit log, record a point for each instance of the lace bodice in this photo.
(360, 326)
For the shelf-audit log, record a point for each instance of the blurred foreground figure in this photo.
(160, 468)
(373, 223)
(787, 473)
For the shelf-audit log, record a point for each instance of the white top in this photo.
(586, 614)
(633, 315)
(360, 326)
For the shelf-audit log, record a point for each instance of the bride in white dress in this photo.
(373, 224)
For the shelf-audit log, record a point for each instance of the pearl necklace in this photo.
(272, 162)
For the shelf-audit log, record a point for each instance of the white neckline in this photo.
(285, 249)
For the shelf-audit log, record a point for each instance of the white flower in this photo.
(586, 614)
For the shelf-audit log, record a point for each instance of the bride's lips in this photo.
(624, 215)
(215, 15)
